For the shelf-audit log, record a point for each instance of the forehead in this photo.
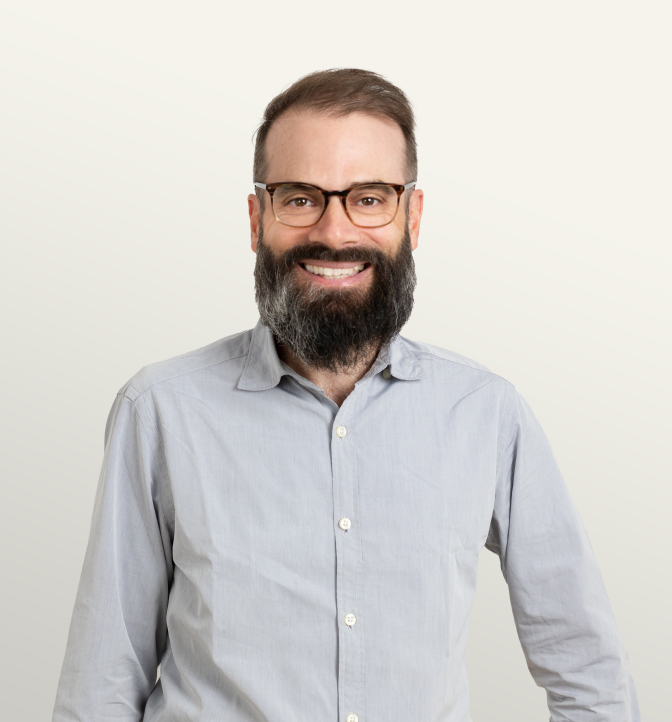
(333, 152)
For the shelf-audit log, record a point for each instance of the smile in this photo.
(328, 272)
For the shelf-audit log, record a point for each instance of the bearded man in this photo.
(288, 520)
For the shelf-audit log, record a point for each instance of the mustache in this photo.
(322, 252)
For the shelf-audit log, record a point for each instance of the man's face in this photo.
(332, 321)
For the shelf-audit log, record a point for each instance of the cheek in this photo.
(389, 238)
(280, 237)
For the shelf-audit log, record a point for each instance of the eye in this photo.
(300, 202)
(371, 197)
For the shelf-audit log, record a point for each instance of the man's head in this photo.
(340, 92)
(335, 129)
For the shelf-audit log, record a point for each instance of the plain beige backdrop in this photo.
(545, 157)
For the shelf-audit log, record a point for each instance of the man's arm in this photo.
(560, 605)
(118, 628)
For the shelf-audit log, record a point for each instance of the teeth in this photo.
(334, 272)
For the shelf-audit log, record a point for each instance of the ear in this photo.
(254, 210)
(415, 216)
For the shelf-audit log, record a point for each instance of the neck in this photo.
(336, 385)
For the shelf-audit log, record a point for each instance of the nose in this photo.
(335, 228)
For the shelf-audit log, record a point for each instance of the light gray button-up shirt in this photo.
(285, 559)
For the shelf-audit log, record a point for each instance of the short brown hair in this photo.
(339, 92)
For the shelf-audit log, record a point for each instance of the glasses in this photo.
(369, 205)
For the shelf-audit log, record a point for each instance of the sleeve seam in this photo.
(506, 455)
(156, 463)
(503, 434)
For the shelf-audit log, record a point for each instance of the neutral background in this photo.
(545, 156)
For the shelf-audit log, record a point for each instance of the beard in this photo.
(334, 329)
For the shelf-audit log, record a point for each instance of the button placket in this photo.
(348, 563)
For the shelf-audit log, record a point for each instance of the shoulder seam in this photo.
(175, 376)
(433, 356)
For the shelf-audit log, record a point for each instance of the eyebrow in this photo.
(364, 183)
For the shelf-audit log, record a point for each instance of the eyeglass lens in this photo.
(367, 205)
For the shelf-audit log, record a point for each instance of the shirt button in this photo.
(387, 373)
(344, 523)
(350, 619)
(340, 431)
(352, 718)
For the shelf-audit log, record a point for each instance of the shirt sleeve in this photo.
(118, 629)
(560, 606)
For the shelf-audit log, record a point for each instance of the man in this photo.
(288, 520)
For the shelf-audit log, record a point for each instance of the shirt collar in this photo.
(263, 368)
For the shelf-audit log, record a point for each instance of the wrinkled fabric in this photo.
(216, 551)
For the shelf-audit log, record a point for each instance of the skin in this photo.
(334, 153)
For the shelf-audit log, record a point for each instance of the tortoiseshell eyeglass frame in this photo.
(272, 187)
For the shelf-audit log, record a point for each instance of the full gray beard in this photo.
(335, 329)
